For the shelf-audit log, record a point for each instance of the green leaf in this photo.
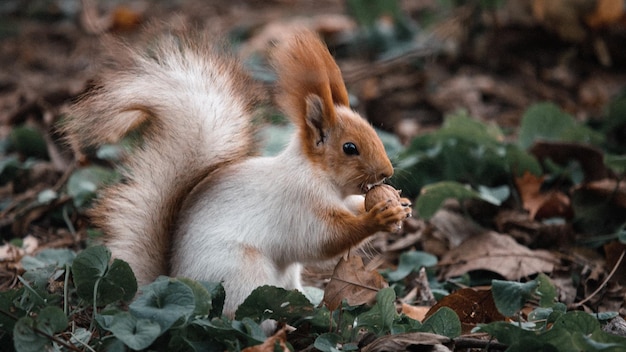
(432, 197)
(202, 297)
(546, 291)
(7, 300)
(51, 320)
(328, 342)
(25, 339)
(444, 322)
(381, 316)
(506, 333)
(589, 344)
(510, 296)
(462, 126)
(29, 142)
(530, 344)
(269, 302)
(91, 268)
(136, 333)
(57, 257)
(543, 121)
(48, 264)
(83, 183)
(165, 301)
(462, 150)
(88, 267)
(617, 163)
(218, 295)
(578, 321)
(546, 121)
(118, 283)
(228, 332)
(410, 262)
(9, 168)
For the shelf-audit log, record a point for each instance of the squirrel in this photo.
(196, 201)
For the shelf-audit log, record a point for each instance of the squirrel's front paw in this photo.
(386, 207)
(388, 216)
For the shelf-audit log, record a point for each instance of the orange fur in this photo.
(305, 67)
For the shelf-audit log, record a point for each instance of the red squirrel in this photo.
(195, 201)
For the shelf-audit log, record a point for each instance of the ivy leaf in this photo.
(165, 301)
(546, 291)
(25, 339)
(546, 121)
(328, 342)
(510, 296)
(91, 268)
(443, 322)
(83, 183)
(269, 302)
(202, 297)
(88, 267)
(50, 320)
(135, 333)
(29, 142)
(410, 262)
(432, 197)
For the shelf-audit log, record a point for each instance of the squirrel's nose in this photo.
(387, 172)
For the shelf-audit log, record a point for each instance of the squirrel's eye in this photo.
(350, 149)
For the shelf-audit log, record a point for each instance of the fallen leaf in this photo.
(563, 16)
(352, 282)
(415, 312)
(614, 250)
(607, 12)
(414, 341)
(472, 306)
(612, 189)
(125, 19)
(542, 204)
(497, 253)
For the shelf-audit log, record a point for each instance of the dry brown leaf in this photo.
(614, 250)
(415, 312)
(540, 204)
(124, 18)
(279, 339)
(609, 188)
(563, 16)
(498, 253)
(414, 341)
(607, 12)
(275, 31)
(352, 282)
(472, 306)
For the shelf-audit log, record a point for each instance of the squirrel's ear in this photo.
(315, 118)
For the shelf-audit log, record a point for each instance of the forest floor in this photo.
(492, 64)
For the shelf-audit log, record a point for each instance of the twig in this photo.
(617, 264)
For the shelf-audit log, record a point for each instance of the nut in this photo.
(381, 193)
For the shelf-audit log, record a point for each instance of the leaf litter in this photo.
(49, 64)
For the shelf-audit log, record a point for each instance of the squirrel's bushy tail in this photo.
(193, 105)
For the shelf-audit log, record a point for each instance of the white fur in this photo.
(254, 209)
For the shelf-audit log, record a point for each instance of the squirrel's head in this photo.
(345, 146)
